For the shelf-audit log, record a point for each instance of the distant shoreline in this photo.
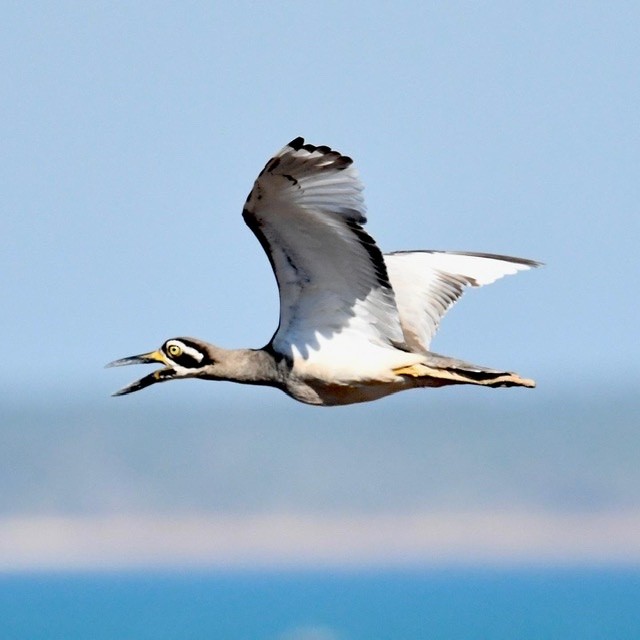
(305, 541)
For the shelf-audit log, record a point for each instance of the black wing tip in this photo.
(497, 256)
(297, 143)
(342, 161)
(476, 254)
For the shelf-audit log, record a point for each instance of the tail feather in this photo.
(430, 376)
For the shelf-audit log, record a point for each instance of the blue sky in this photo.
(132, 133)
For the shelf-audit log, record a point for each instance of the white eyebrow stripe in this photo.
(190, 351)
(194, 353)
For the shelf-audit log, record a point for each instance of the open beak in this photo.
(145, 358)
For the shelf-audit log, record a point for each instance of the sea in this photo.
(430, 604)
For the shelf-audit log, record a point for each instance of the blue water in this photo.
(456, 605)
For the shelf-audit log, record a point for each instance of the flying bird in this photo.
(355, 324)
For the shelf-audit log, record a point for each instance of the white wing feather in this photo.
(307, 210)
(428, 283)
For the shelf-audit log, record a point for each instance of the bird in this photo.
(355, 324)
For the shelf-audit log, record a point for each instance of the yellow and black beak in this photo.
(145, 358)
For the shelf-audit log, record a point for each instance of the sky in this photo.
(132, 133)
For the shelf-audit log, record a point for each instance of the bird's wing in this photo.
(428, 283)
(306, 209)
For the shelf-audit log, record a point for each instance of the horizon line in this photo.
(308, 541)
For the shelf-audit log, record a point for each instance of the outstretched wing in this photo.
(428, 283)
(307, 211)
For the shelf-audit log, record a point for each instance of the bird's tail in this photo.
(440, 371)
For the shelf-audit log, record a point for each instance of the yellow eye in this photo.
(174, 350)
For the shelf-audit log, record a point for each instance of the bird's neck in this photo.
(251, 366)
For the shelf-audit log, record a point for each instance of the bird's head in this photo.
(182, 357)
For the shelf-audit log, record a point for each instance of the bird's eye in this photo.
(174, 350)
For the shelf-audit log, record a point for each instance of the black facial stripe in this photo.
(186, 359)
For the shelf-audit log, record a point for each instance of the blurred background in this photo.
(131, 135)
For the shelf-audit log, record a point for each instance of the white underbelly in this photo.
(343, 360)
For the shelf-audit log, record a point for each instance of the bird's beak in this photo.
(145, 358)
